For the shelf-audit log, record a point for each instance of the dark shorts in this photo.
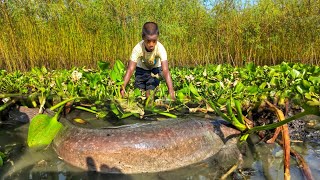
(144, 80)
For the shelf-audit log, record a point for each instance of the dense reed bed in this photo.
(63, 34)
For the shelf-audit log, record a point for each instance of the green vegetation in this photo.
(43, 128)
(67, 34)
(231, 92)
(2, 156)
(249, 86)
(246, 87)
(239, 56)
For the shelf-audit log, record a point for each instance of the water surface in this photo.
(260, 160)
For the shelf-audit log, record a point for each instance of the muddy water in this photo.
(260, 160)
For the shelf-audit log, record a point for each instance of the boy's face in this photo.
(150, 42)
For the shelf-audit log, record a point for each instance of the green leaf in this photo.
(154, 110)
(274, 81)
(185, 90)
(262, 85)
(1, 161)
(115, 109)
(244, 137)
(305, 84)
(42, 130)
(239, 87)
(168, 114)
(295, 73)
(283, 67)
(233, 118)
(119, 83)
(125, 115)
(239, 111)
(299, 89)
(101, 114)
(194, 91)
(314, 80)
(118, 112)
(118, 67)
(312, 89)
(217, 110)
(222, 100)
(218, 69)
(181, 96)
(313, 103)
(44, 70)
(103, 66)
(115, 76)
(253, 89)
(117, 71)
(251, 67)
(308, 95)
(2, 156)
(137, 92)
(229, 108)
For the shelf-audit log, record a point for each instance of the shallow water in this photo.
(260, 161)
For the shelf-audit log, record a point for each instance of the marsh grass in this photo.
(64, 34)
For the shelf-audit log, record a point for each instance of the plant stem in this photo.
(86, 109)
(3, 107)
(63, 102)
(9, 95)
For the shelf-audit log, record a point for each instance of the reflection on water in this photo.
(261, 161)
(267, 160)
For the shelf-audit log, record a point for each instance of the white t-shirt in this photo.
(148, 60)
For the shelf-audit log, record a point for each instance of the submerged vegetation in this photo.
(65, 34)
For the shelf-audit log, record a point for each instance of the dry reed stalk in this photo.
(285, 139)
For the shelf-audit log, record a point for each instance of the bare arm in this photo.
(167, 77)
(131, 67)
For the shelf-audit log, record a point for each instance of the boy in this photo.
(148, 58)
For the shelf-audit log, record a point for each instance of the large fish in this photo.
(141, 148)
(146, 148)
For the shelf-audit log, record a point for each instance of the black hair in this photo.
(150, 28)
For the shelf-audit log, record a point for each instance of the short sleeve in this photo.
(136, 53)
(162, 53)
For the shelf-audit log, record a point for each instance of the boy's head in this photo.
(150, 33)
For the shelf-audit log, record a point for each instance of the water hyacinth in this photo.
(52, 84)
(204, 73)
(189, 77)
(76, 75)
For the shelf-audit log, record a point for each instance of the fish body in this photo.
(154, 147)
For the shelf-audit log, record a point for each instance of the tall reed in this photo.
(64, 34)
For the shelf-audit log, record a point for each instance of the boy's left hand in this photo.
(122, 92)
(172, 95)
